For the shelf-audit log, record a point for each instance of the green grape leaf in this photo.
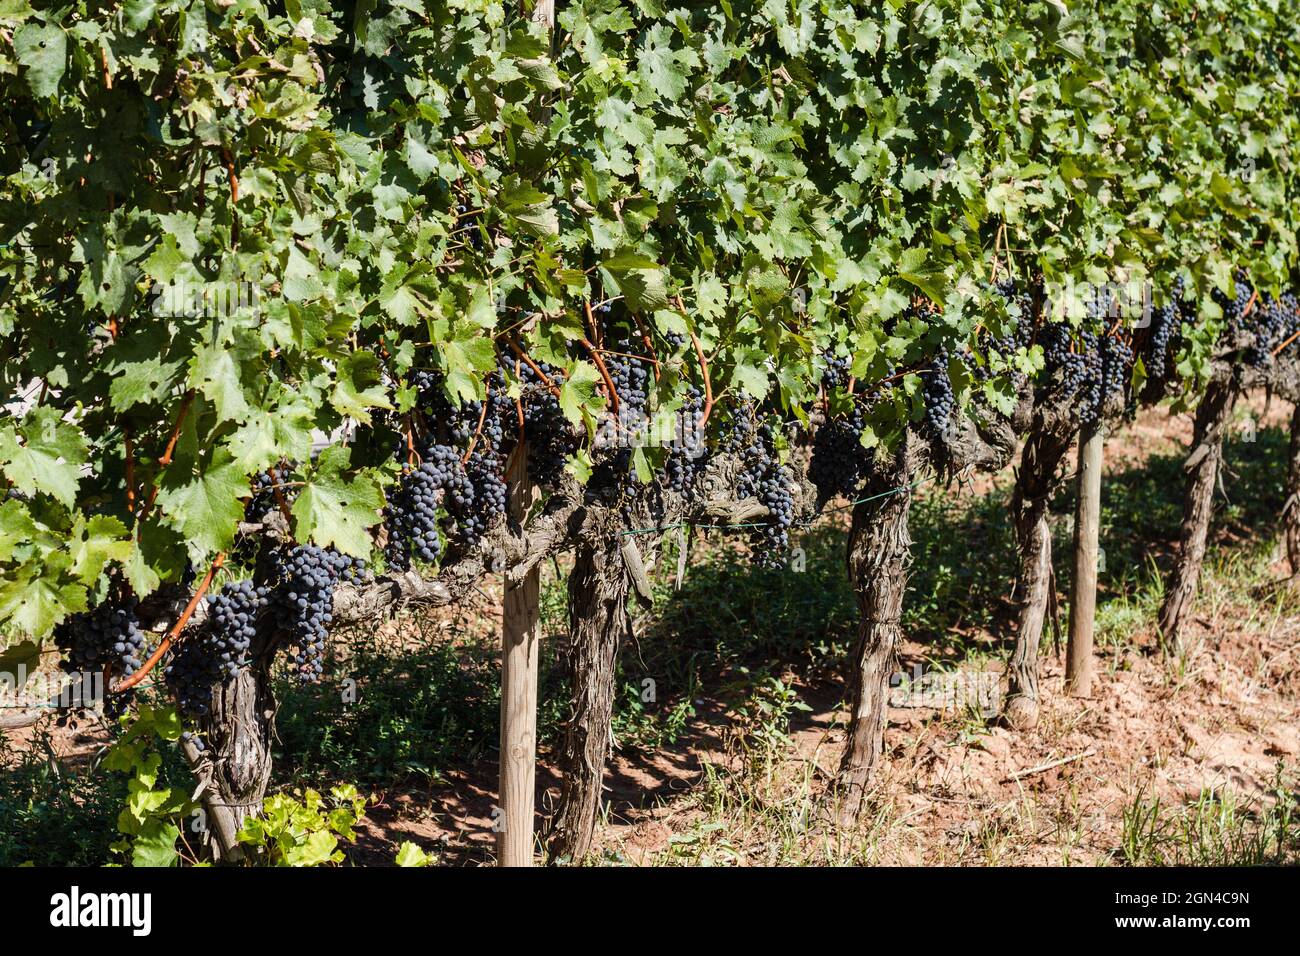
(207, 504)
(43, 49)
(334, 510)
(45, 455)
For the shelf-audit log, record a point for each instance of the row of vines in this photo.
(313, 312)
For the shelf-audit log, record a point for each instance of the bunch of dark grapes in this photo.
(1267, 324)
(1275, 321)
(476, 497)
(1060, 359)
(232, 622)
(1020, 337)
(550, 441)
(306, 577)
(839, 462)
(1234, 309)
(1089, 395)
(218, 650)
(467, 423)
(107, 637)
(1165, 324)
(940, 401)
(1289, 306)
(631, 378)
(190, 675)
(687, 460)
(675, 342)
(765, 478)
(1116, 371)
(265, 499)
(411, 516)
(836, 373)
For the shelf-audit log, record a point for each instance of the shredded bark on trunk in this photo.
(598, 586)
(878, 557)
(1036, 482)
(1202, 467)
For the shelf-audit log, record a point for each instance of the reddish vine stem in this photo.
(411, 456)
(604, 373)
(591, 322)
(276, 489)
(166, 458)
(130, 468)
(234, 195)
(704, 365)
(551, 386)
(1254, 296)
(176, 628)
(649, 343)
(997, 241)
(478, 431)
(1290, 339)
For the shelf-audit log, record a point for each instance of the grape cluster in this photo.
(1059, 357)
(940, 401)
(631, 378)
(1267, 324)
(264, 499)
(1166, 322)
(1092, 368)
(1021, 303)
(232, 616)
(303, 599)
(1116, 371)
(836, 373)
(477, 497)
(550, 441)
(218, 650)
(412, 512)
(687, 460)
(839, 462)
(765, 478)
(109, 636)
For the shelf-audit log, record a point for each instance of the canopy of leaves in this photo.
(229, 229)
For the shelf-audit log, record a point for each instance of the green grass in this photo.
(52, 814)
(1218, 828)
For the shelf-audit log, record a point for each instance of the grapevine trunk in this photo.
(1036, 482)
(1202, 473)
(878, 558)
(597, 622)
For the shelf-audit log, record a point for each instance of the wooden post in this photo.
(519, 647)
(1083, 592)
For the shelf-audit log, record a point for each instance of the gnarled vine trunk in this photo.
(1291, 512)
(1036, 481)
(1202, 467)
(878, 558)
(234, 767)
(598, 588)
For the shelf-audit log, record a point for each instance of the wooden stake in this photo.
(519, 647)
(519, 629)
(1083, 591)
